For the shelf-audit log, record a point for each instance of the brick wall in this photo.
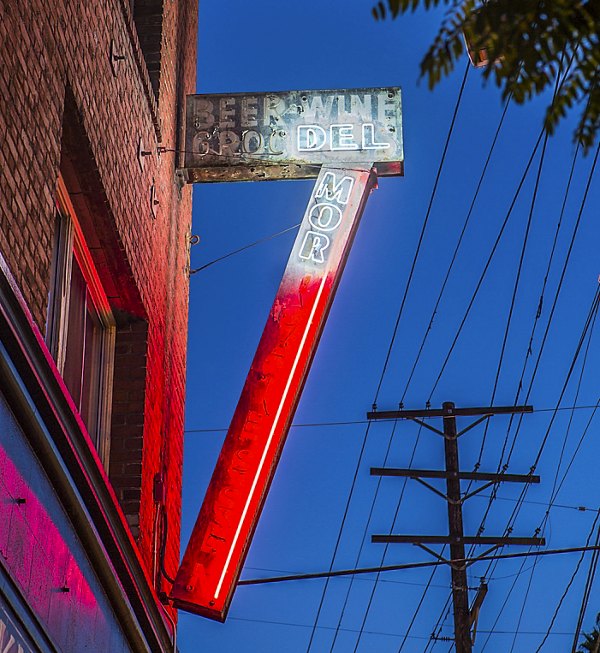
(55, 71)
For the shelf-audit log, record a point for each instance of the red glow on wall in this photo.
(37, 550)
(221, 536)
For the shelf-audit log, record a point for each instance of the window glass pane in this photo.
(92, 367)
(74, 352)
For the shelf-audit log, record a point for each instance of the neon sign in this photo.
(235, 496)
(347, 138)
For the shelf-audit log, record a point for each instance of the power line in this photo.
(385, 550)
(455, 254)
(512, 303)
(554, 304)
(474, 295)
(273, 622)
(361, 578)
(515, 290)
(383, 372)
(540, 503)
(544, 338)
(365, 421)
(517, 575)
(523, 604)
(524, 492)
(556, 486)
(569, 585)
(494, 493)
(532, 335)
(528, 352)
(592, 311)
(589, 320)
(586, 592)
(487, 265)
(365, 533)
(422, 234)
(430, 326)
(412, 565)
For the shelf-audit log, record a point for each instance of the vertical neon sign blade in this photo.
(235, 496)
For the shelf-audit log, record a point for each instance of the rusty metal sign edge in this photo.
(253, 171)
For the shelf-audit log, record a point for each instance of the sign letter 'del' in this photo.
(346, 139)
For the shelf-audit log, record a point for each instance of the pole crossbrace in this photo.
(483, 487)
(426, 426)
(432, 488)
(434, 554)
(483, 555)
(477, 422)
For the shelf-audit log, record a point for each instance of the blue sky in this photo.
(268, 45)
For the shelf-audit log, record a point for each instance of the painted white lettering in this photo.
(275, 143)
(228, 143)
(314, 108)
(226, 112)
(204, 116)
(368, 138)
(341, 107)
(313, 246)
(249, 111)
(342, 137)
(252, 141)
(334, 190)
(310, 137)
(273, 109)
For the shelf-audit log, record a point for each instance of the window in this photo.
(81, 328)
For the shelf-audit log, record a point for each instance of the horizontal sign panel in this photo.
(290, 135)
(237, 491)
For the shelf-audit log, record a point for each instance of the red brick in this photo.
(47, 47)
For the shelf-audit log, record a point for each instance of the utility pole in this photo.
(460, 591)
(464, 617)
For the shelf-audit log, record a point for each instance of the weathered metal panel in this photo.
(234, 499)
(290, 135)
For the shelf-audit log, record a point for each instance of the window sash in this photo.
(74, 270)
